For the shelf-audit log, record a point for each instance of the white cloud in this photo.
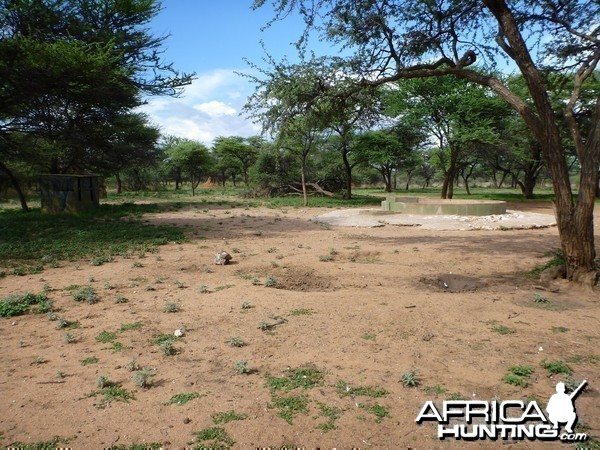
(208, 108)
(215, 108)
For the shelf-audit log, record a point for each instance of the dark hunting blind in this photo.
(69, 193)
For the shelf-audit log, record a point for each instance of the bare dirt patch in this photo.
(352, 320)
(453, 283)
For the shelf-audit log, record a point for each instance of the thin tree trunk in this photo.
(303, 176)
(16, 185)
(348, 169)
(119, 183)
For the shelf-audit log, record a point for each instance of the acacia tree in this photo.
(457, 113)
(288, 102)
(388, 150)
(69, 70)
(239, 150)
(192, 158)
(394, 39)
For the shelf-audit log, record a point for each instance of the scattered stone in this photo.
(187, 420)
(222, 258)
(179, 333)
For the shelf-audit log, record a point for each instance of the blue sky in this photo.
(212, 38)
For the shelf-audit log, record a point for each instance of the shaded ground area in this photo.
(305, 340)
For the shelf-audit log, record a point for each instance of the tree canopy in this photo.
(71, 71)
(384, 41)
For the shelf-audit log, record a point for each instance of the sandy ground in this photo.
(363, 306)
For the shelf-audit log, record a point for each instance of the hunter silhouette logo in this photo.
(510, 419)
(561, 408)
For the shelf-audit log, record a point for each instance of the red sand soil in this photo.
(360, 305)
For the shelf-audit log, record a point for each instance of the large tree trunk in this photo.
(575, 220)
(303, 177)
(16, 185)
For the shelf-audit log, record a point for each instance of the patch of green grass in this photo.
(290, 407)
(557, 367)
(90, 360)
(182, 399)
(518, 376)
(213, 437)
(557, 259)
(559, 329)
(130, 327)
(117, 346)
(242, 366)
(144, 378)
(455, 396)
(501, 329)
(236, 341)
(302, 377)
(44, 445)
(227, 416)
(28, 238)
(165, 342)
(112, 392)
(538, 298)
(369, 337)
(106, 337)
(578, 359)
(172, 308)
(18, 304)
(62, 324)
(144, 446)
(379, 411)
(301, 312)
(331, 413)
(437, 389)
(85, 294)
(344, 390)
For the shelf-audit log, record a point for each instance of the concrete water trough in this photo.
(436, 206)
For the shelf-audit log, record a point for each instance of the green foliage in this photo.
(27, 238)
(302, 377)
(236, 341)
(557, 259)
(301, 312)
(290, 407)
(556, 367)
(47, 445)
(86, 294)
(106, 336)
(344, 390)
(90, 360)
(182, 399)
(501, 329)
(243, 367)
(331, 413)
(130, 326)
(144, 378)
(113, 392)
(172, 307)
(227, 416)
(410, 379)
(518, 376)
(217, 437)
(17, 304)
(379, 411)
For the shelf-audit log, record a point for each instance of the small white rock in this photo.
(179, 333)
(541, 349)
